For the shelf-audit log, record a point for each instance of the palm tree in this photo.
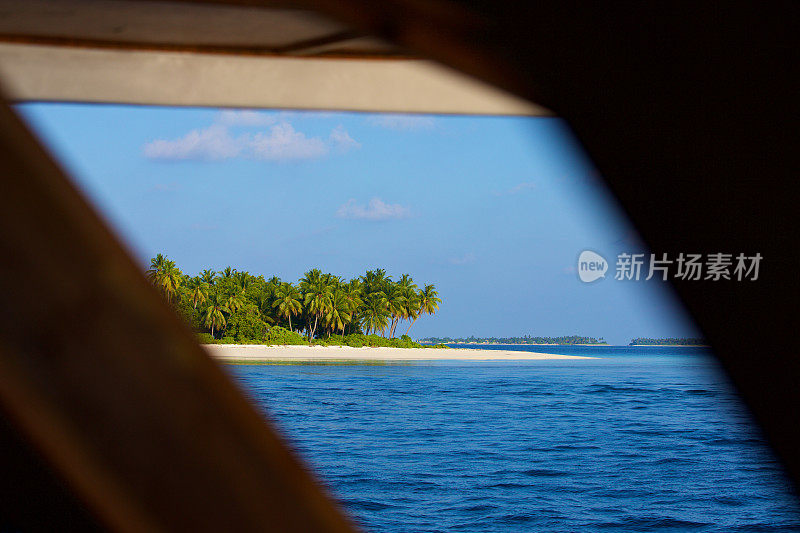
(409, 291)
(375, 315)
(287, 301)
(310, 278)
(375, 280)
(395, 304)
(171, 279)
(228, 272)
(268, 291)
(317, 300)
(412, 307)
(235, 301)
(243, 280)
(214, 314)
(208, 276)
(406, 282)
(166, 276)
(352, 295)
(355, 286)
(339, 313)
(197, 291)
(156, 265)
(428, 303)
(309, 284)
(264, 303)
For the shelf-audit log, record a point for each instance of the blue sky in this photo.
(494, 211)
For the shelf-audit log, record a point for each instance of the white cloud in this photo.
(244, 117)
(211, 143)
(463, 260)
(402, 122)
(342, 140)
(283, 142)
(375, 210)
(280, 142)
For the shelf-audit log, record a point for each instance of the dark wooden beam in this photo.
(112, 391)
(310, 48)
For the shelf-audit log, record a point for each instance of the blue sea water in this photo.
(639, 439)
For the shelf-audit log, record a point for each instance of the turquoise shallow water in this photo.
(640, 439)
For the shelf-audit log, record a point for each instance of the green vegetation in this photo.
(527, 339)
(668, 341)
(234, 307)
(343, 362)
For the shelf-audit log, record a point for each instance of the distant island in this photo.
(236, 307)
(668, 341)
(527, 339)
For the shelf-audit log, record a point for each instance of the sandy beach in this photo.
(261, 353)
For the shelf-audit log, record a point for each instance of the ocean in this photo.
(639, 439)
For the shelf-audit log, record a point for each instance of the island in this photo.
(526, 339)
(668, 341)
(320, 319)
(236, 307)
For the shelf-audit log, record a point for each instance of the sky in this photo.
(494, 211)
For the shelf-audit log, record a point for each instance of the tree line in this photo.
(247, 308)
(526, 339)
(668, 341)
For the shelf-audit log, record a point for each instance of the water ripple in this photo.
(622, 443)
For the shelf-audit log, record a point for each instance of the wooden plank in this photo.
(159, 77)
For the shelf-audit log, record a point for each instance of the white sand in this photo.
(304, 353)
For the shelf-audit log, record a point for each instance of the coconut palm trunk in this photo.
(412, 323)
